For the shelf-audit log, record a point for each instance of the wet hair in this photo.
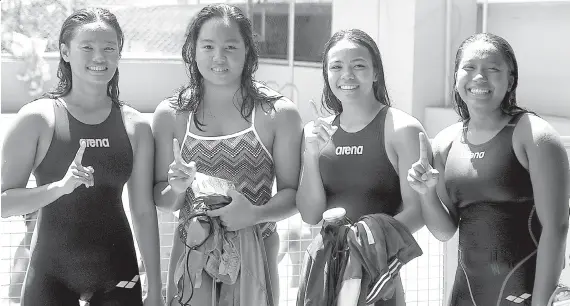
(509, 104)
(190, 96)
(329, 100)
(68, 29)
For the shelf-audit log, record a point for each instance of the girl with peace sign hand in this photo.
(83, 145)
(358, 158)
(319, 132)
(180, 173)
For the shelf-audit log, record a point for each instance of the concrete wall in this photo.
(145, 82)
(411, 37)
(536, 32)
(539, 36)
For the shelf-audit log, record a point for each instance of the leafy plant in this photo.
(29, 29)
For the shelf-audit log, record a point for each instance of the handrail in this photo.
(294, 89)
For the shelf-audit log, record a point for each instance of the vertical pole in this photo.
(291, 45)
(248, 13)
(447, 87)
(485, 15)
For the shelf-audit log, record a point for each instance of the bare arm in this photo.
(143, 211)
(438, 212)
(19, 150)
(286, 158)
(22, 201)
(311, 197)
(548, 168)
(164, 130)
(405, 144)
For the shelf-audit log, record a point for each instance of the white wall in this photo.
(146, 82)
(397, 44)
(307, 84)
(411, 37)
(363, 15)
(429, 56)
(143, 83)
(540, 36)
(410, 34)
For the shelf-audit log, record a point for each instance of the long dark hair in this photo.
(509, 104)
(74, 21)
(190, 97)
(329, 100)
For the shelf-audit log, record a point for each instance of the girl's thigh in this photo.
(194, 296)
(199, 296)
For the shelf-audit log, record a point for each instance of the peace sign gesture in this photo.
(317, 133)
(180, 173)
(422, 176)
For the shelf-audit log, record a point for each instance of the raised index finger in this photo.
(176, 151)
(423, 149)
(314, 108)
(79, 154)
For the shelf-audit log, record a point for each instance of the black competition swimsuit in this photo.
(356, 172)
(84, 245)
(498, 228)
(358, 176)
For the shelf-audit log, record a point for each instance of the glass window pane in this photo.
(313, 23)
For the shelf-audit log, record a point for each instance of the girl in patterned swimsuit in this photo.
(230, 127)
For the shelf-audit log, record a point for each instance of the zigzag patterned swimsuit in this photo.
(240, 157)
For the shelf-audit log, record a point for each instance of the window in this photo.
(313, 23)
(159, 28)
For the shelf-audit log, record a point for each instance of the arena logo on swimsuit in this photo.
(469, 155)
(349, 150)
(96, 143)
